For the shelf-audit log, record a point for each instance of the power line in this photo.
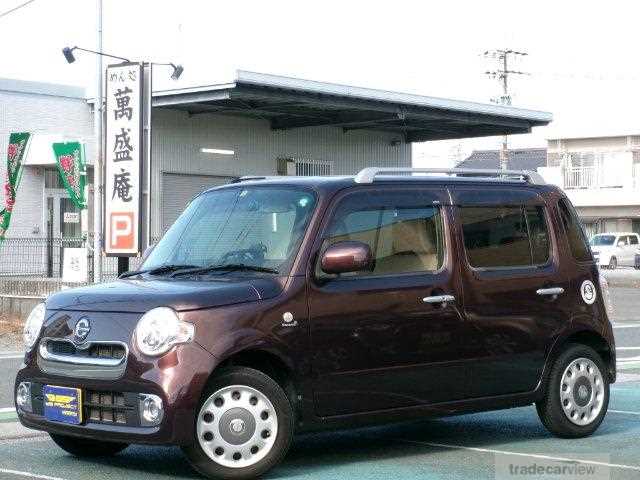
(18, 7)
(502, 75)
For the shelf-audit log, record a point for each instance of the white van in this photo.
(615, 249)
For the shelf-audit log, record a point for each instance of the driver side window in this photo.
(402, 239)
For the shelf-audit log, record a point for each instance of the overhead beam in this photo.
(336, 121)
(428, 135)
(318, 100)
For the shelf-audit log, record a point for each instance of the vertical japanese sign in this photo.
(73, 170)
(123, 160)
(16, 151)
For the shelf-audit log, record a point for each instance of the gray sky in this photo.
(582, 55)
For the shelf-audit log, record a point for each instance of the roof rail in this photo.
(368, 175)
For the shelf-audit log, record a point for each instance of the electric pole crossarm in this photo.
(502, 74)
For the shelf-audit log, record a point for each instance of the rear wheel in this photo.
(82, 447)
(576, 395)
(244, 425)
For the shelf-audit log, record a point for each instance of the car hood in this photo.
(139, 296)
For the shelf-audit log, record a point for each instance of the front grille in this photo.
(95, 350)
(110, 407)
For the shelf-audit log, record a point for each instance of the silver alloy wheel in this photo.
(237, 426)
(582, 391)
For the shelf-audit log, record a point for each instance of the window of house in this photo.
(575, 233)
(513, 236)
(402, 239)
(304, 167)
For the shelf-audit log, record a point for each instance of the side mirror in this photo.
(344, 257)
(148, 251)
(621, 243)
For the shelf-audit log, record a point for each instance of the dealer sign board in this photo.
(123, 160)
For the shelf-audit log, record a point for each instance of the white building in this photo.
(601, 176)
(51, 113)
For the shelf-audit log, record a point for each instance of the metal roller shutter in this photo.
(179, 189)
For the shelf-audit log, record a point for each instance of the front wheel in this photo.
(244, 425)
(82, 447)
(576, 395)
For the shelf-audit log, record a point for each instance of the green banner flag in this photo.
(73, 170)
(16, 151)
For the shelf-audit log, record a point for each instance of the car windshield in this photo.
(257, 229)
(602, 240)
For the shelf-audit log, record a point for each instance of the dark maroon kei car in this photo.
(275, 306)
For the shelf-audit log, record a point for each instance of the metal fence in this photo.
(43, 258)
(35, 257)
(580, 177)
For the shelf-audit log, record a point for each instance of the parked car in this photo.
(612, 250)
(283, 305)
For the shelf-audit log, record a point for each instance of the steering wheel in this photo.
(253, 255)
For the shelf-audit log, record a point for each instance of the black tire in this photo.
(83, 447)
(613, 263)
(267, 386)
(550, 408)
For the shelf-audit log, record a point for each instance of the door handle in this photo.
(550, 291)
(439, 299)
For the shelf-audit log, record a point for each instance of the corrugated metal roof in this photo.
(518, 159)
(294, 103)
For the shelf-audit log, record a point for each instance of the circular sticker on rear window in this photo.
(588, 292)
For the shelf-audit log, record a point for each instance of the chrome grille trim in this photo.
(75, 366)
(79, 360)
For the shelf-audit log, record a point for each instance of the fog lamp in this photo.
(23, 397)
(151, 411)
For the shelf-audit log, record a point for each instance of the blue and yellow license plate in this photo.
(63, 404)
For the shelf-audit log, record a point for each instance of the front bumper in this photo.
(177, 377)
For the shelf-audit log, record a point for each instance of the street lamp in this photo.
(70, 57)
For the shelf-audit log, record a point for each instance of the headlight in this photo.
(160, 329)
(33, 325)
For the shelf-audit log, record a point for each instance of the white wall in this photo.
(38, 114)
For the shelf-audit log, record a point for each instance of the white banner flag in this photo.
(123, 159)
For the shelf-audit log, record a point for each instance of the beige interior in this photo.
(403, 246)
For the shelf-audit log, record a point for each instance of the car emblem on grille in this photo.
(81, 332)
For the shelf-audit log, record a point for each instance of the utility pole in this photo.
(97, 166)
(502, 75)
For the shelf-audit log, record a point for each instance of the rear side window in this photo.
(633, 240)
(511, 236)
(575, 233)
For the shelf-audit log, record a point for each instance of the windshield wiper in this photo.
(158, 270)
(229, 266)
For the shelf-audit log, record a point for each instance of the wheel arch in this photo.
(267, 361)
(587, 337)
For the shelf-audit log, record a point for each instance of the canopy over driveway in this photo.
(293, 103)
